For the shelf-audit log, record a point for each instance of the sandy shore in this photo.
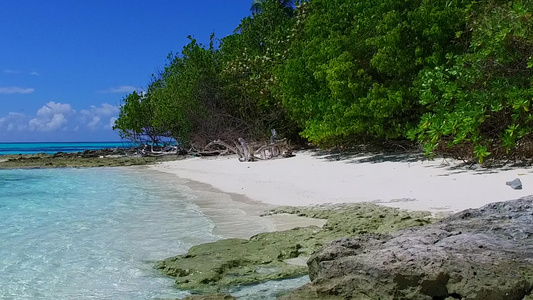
(234, 215)
(404, 181)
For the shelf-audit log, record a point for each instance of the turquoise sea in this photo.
(82, 233)
(50, 148)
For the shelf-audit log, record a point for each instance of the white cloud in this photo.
(51, 117)
(123, 89)
(34, 73)
(104, 110)
(16, 90)
(12, 72)
(111, 123)
(16, 115)
(13, 121)
(56, 116)
(95, 121)
(52, 108)
(97, 117)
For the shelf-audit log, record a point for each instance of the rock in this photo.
(515, 184)
(210, 297)
(87, 158)
(224, 264)
(477, 254)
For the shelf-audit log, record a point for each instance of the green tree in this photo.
(480, 99)
(353, 64)
(187, 96)
(257, 5)
(135, 121)
(249, 60)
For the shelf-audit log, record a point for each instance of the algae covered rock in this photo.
(212, 266)
(210, 297)
(356, 218)
(228, 263)
(88, 158)
(477, 254)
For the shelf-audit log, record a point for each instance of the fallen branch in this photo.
(246, 151)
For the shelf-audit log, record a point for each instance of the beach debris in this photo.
(246, 156)
(482, 254)
(247, 151)
(515, 184)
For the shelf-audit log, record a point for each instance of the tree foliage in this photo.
(353, 64)
(453, 75)
(481, 97)
(136, 119)
(188, 92)
(258, 5)
(250, 59)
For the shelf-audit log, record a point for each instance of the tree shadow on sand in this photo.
(374, 154)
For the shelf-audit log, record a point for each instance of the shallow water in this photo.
(97, 233)
(91, 234)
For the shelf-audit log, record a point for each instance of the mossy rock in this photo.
(77, 160)
(223, 264)
(476, 254)
(210, 297)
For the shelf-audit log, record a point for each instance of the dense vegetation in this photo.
(453, 75)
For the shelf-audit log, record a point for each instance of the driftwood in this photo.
(254, 151)
(149, 151)
(247, 151)
(275, 149)
(208, 151)
(225, 145)
(246, 156)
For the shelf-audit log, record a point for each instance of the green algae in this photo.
(358, 218)
(224, 264)
(77, 160)
(210, 297)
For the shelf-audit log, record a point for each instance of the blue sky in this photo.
(65, 65)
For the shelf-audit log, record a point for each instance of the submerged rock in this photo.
(477, 254)
(221, 265)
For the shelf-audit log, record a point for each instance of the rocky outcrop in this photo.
(210, 297)
(88, 158)
(224, 264)
(477, 254)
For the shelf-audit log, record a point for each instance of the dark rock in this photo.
(477, 254)
(60, 154)
(210, 297)
(515, 184)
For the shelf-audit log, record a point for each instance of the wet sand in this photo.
(236, 215)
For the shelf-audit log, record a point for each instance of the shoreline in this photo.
(313, 178)
(234, 215)
(262, 210)
(353, 195)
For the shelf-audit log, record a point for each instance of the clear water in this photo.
(91, 234)
(97, 233)
(50, 148)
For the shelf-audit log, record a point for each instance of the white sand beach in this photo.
(405, 181)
